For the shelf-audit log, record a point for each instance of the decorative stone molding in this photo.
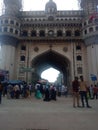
(65, 49)
(36, 49)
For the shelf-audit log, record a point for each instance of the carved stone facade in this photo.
(32, 41)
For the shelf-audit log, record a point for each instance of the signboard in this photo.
(93, 77)
(24, 69)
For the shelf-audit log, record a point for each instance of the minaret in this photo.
(12, 7)
(90, 34)
(9, 35)
(89, 6)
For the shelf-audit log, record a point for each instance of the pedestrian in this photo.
(9, 89)
(91, 91)
(17, 91)
(64, 90)
(53, 92)
(38, 94)
(59, 90)
(46, 94)
(83, 93)
(30, 88)
(75, 90)
(95, 94)
(1, 89)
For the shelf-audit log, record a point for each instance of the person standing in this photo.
(91, 91)
(30, 88)
(1, 89)
(38, 94)
(46, 94)
(63, 90)
(75, 90)
(59, 89)
(83, 92)
(95, 93)
(53, 92)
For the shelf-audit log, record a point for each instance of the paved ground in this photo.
(33, 114)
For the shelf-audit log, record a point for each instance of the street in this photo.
(34, 114)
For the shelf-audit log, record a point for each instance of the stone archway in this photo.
(55, 60)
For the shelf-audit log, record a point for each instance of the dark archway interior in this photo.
(51, 59)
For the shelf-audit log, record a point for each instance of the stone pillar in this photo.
(8, 56)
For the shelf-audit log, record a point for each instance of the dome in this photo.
(51, 7)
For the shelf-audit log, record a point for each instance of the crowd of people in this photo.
(45, 91)
(15, 91)
(49, 92)
(93, 91)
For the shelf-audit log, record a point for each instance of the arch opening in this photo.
(50, 74)
(51, 59)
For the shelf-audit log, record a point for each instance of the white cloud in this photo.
(40, 4)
